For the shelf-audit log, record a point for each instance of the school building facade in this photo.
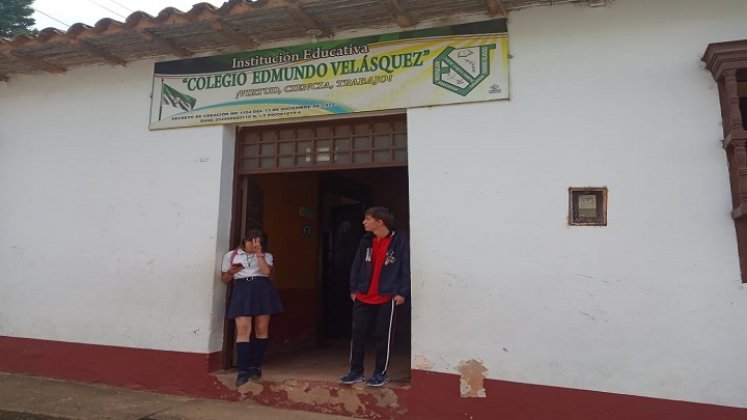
(570, 173)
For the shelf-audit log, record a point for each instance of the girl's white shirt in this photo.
(249, 261)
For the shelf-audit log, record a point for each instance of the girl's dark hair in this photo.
(254, 233)
(383, 214)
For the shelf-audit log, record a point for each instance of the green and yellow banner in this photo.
(455, 64)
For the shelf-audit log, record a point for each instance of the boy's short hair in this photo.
(383, 214)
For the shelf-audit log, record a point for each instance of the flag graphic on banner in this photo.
(173, 97)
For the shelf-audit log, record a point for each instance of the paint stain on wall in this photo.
(471, 382)
(421, 362)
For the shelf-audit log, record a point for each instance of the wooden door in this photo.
(247, 214)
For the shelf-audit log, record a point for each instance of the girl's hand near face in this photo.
(256, 246)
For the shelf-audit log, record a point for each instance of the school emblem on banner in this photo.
(461, 69)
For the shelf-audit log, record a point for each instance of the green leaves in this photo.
(15, 18)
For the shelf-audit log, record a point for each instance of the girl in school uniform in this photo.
(253, 301)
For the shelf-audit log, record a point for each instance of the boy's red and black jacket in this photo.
(395, 274)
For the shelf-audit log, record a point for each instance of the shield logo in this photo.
(461, 69)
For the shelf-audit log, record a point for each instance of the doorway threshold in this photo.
(308, 380)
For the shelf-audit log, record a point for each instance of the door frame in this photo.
(241, 175)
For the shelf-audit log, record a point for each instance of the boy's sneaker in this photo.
(377, 379)
(351, 378)
(242, 378)
(255, 373)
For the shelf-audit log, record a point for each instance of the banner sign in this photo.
(455, 64)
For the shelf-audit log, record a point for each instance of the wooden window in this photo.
(339, 144)
(727, 62)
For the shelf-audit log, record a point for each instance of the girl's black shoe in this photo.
(242, 378)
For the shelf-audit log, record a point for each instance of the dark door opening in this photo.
(345, 196)
(343, 202)
(339, 248)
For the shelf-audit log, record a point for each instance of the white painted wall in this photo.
(108, 232)
(650, 305)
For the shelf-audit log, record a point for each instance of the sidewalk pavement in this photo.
(33, 398)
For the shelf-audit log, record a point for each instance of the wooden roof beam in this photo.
(496, 8)
(307, 21)
(37, 63)
(232, 34)
(399, 13)
(166, 45)
(228, 31)
(96, 52)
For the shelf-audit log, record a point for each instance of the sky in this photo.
(62, 14)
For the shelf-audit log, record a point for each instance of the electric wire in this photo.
(122, 6)
(51, 17)
(107, 9)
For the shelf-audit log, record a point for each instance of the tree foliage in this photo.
(15, 18)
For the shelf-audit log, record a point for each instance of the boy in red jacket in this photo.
(379, 282)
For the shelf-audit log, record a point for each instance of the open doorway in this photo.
(313, 221)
